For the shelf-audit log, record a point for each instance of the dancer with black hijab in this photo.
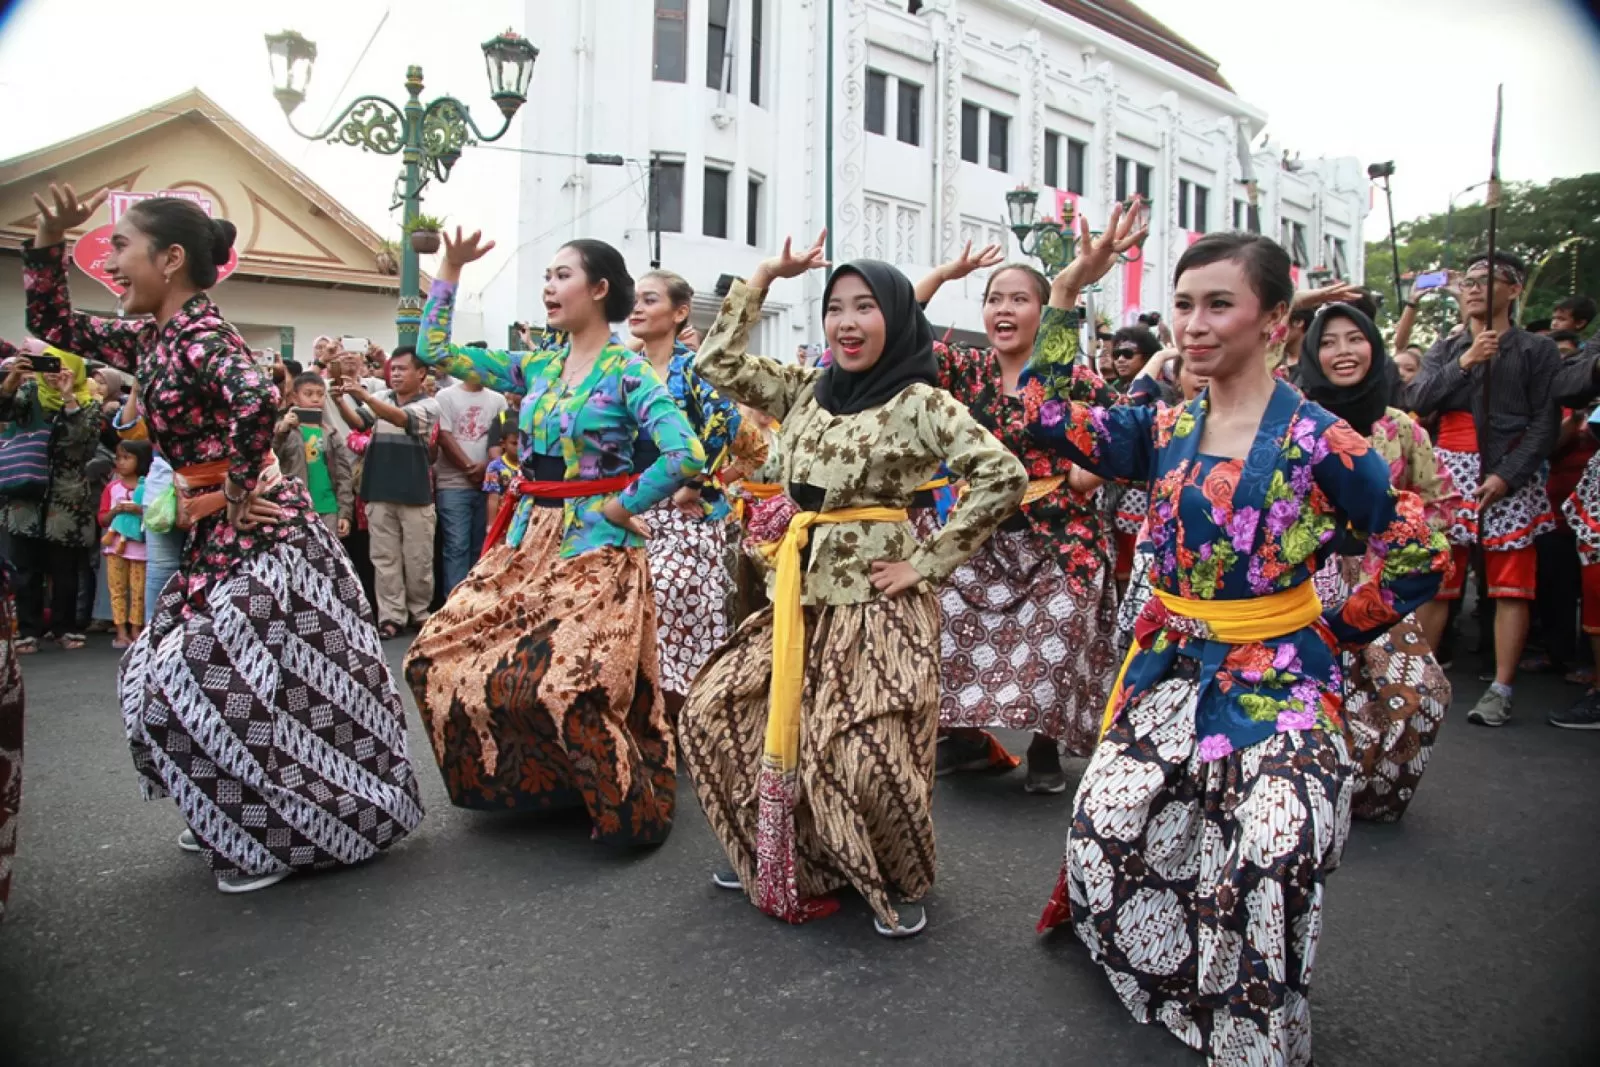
(1395, 695)
(810, 735)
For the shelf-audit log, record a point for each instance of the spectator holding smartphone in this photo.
(398, 491)
(310, 450)
(51, 531)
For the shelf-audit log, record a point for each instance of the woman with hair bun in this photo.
(539, 680)
(258, 696)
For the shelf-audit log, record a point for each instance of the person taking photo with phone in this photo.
(49, 511)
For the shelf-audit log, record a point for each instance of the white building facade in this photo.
(936, 114)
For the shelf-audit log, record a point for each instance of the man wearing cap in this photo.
(1495, 438)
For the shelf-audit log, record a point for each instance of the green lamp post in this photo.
(428, 137)
(1052, 242)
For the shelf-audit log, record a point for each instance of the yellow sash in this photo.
(1233, 622)
(782, 744)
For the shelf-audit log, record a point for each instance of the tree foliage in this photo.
(1534, 219)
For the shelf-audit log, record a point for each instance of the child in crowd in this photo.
(310, 449)
(122, 518)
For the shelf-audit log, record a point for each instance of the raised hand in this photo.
(64, 211)
(967, 262)
(1097, 255)
(462, 250)
(789, 264)
(1336, 293)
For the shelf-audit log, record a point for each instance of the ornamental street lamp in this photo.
(1048, 240)
(429, 138)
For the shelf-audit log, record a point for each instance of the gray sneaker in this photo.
(1492, 709)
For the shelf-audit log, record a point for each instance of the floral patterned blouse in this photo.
(593, 427)
(203, 397)
(1068, 521)
(1233, 529)
(876, 457)
(1403, 444)
(715, 420)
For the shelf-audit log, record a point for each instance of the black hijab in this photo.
(907, 345)
(1363, 403)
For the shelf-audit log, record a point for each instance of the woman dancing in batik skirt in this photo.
(1027, 624)
(538, 681)
(1219, 798)
(258, 697)
(688, 544)
(1396, 695)
(1582, 511)
(811, 734)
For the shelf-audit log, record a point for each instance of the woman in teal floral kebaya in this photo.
(539, 681)
(1219, 798)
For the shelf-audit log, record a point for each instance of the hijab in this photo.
(907, 345)
(1363, 403)
(50, 398)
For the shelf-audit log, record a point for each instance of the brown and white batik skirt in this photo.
(269, 713)
(693, 591)
(864, 784)
(538, 684)
(1021, 649)
(1198, 885)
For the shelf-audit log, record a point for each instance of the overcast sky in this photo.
(1376, 79)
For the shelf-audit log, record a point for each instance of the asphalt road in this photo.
(1468, 934)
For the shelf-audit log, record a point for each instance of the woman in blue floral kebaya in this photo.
(1219, 797)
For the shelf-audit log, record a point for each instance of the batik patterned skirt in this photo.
(538, 684)
(864, 784)
(1396, 697)
(267, 711)
(1020, 649)
(1511, 523)
(10, 734)
(1198, 885)
(1582, 510)
(693, 591)
(1133, 602)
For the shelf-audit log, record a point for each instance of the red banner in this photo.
(93, 249)
(1132, 286)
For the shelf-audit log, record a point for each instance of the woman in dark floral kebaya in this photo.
(258, 697)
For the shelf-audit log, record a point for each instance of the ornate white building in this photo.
(938, 109)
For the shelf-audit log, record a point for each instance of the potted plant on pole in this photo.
(388, 257)
(424, 231)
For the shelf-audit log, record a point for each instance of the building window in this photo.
(1241, 215)
(1141, 181)
(1202, 209)
(969, 132)
(672, 41)
(1183, 203)
(1052, 159)
(756, 12)
(1292, 235)
(1077, 166)
(666, 206)
(908, 115)
(717, 44)
(752, 213)
(1340, 264)
(714, 219)
(999, 142)
(877, 102)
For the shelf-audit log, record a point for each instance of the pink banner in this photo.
(1132, 286)
(1190, 237)
(1063, 198)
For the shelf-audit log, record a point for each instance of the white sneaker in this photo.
(727, 880)
(250, 883)
(190, 843)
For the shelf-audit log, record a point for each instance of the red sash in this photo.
(563, 490)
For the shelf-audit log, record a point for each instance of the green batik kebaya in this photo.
(592, 427)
